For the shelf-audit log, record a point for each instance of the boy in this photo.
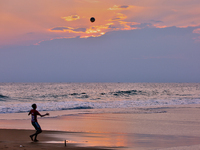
(34, 122)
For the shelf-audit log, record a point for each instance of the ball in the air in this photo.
(92, 19)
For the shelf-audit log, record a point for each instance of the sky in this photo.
(130, 41)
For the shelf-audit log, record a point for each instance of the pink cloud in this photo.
(197, 31)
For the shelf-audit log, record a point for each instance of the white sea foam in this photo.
(70, 105)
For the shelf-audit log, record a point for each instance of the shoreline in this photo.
(170, 128)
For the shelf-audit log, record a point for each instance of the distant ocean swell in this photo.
(119, 95)
(18, 97)
(2, 96)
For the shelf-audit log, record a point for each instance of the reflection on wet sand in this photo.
(149, 128)
(125, 141)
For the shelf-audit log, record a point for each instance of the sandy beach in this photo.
(165, 128)
(14, 139)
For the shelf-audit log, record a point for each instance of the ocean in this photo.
(119, 115)
(18, 97)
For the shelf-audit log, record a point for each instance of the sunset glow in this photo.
(25, 23)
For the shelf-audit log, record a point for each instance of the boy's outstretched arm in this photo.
(29, 113)
(47, 114)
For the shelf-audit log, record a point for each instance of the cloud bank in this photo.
(145, 55)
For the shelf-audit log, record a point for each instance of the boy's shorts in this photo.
(36, 126)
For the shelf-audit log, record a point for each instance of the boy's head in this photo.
(34, 106)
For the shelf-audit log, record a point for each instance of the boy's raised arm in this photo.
(29, 113)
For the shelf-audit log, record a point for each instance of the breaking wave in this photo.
(72, 105)
(3, 97)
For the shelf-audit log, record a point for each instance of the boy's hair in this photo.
(34, 106)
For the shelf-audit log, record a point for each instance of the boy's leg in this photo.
(31, 136)
(38, 131)
(35, 134)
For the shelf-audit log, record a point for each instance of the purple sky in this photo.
(147, 47)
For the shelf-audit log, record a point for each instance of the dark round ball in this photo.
(92, 19)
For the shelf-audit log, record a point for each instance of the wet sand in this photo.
(14, 139)
(164, 128)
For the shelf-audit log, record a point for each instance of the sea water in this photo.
(99, 114)
(18, 97)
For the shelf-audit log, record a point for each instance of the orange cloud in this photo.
(119, 16)
(97, 29)
(119, 7)
(71, 18)
(85, 31)
(129, 25)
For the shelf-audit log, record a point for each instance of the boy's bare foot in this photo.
(31, 137)
(35, 140)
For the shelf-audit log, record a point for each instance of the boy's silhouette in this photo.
(34, 122)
